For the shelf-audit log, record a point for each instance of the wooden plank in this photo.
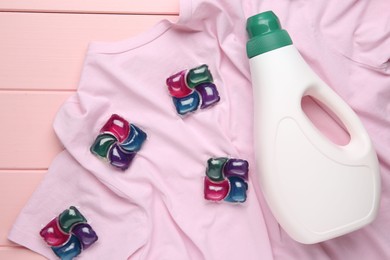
(48, 50)
(16, 188)
(19, 253)
(27, 138)
(93, 6)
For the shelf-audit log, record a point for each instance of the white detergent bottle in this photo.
(316, 189)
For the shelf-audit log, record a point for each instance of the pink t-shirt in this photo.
(156, 209)
(162, 213)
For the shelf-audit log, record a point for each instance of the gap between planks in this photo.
(88, 12)
(38, 90)
(16, 170)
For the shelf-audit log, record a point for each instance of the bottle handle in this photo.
(360, 144)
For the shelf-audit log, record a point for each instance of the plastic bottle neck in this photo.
(265, 34)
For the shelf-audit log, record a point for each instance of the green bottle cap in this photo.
(265, 34)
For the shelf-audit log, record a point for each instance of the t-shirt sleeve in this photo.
(119, 225)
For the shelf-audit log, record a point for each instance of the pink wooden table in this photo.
(42, 47)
